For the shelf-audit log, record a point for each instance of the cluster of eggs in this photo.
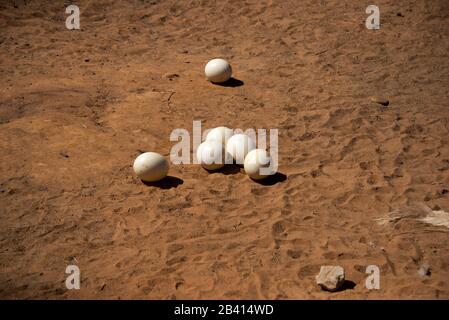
(220, 147)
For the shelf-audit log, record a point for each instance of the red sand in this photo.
(77, 106)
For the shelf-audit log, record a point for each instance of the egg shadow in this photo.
(167, 183)
(272, 180)
(227, 169)
(232, 83)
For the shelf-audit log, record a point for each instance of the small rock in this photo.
(330, 278)
(380, 100)
(63, 154)
(424, 270)
(171, 76)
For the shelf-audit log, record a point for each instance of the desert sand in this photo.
(77, 107)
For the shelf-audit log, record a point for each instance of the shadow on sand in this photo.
(227, 169)
(348, 284)
(272, 180)
(167, 183)
(233, 82)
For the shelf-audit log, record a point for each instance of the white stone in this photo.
(424, 270)
(331, 278)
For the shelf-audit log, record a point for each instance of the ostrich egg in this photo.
(218, 70)
(221, 134)
(255, 162)
(211, 155)
(150, 166)
(238, 147)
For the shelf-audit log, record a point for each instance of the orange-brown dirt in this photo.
(77, 107)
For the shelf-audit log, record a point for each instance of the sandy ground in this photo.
(76, 108)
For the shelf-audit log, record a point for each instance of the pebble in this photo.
(424, 270)
(171, 76)
(64, 154)
(380, 100)
(330, 278)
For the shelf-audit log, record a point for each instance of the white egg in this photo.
(218, 70)
(221, 134)
(238, 147)
(150, 166)
(257, 164)
(211, 155)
